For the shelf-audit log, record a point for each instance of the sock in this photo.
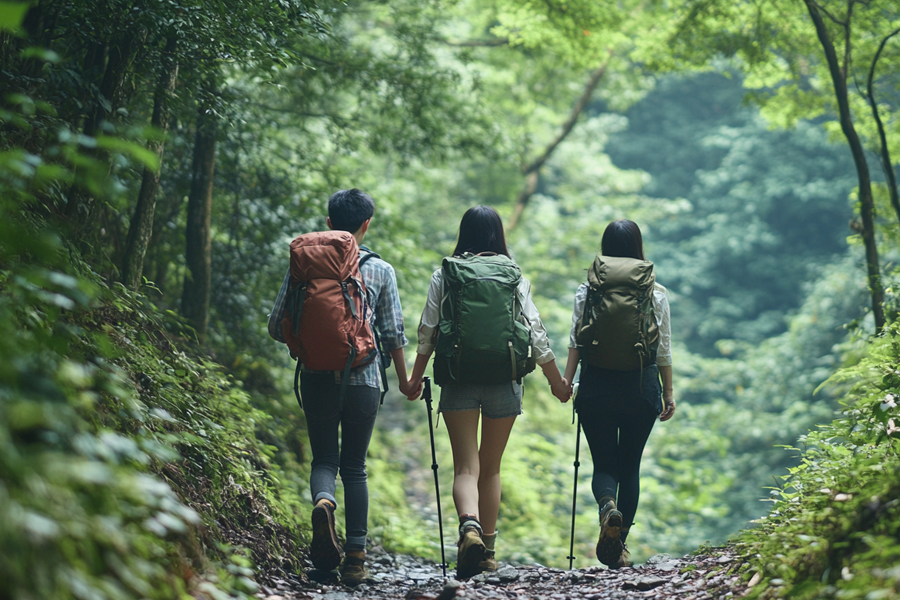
(489, 540)
(466, 521)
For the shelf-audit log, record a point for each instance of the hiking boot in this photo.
(470, 554)
(624, 559)
(609, 546)
(325, 551)
(353, 570)
(489, 563)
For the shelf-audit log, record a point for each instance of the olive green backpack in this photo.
(618, 329)
(484, 337)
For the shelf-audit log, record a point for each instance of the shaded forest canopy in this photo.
(156, 158)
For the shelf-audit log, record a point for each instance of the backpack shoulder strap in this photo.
(383, 359)
(368, 254)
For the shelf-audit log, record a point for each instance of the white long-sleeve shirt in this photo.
(431, 318)
(660, 311)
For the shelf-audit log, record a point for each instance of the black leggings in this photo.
(617, 413)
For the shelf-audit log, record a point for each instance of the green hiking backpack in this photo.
(484, 337)
(618, 329)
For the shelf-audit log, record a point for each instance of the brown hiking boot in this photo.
(353, 570)
(609, 546)
(489, 563)
(624, 559)
(470, 554)
(325, 551)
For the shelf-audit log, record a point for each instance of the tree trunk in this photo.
(866, 202)
(119, 59)
(195, 298)
(141, 225)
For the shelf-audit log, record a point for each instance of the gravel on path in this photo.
(713, 574)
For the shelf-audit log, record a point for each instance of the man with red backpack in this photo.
(337, 305)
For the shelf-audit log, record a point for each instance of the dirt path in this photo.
(693, 577)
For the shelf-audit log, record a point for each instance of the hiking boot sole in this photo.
(609, 548)
(325, 551)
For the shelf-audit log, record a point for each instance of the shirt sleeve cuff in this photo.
(663, 361)
(425, 349)
(545, 358)
(392, 343)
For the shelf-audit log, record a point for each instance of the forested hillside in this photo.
(156, 158)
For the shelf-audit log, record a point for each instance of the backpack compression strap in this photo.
(384, 380)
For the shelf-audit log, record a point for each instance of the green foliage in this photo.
(432, 107)
(832, 531)
(124, 463)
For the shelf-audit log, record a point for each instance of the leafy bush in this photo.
(833, 531)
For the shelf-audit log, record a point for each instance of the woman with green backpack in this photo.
(621, 335)
(481, 323)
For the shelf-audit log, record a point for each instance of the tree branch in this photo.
(831, 17)
(847, 40)
(885, 153)
(476, 43)
(531, 169)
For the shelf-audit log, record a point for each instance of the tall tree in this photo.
(141, 225)
(195, 298)
(838, 73)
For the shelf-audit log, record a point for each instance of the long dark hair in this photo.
(622, 238)
(481, 230)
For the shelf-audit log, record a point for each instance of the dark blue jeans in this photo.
(324, 416)
(617, 411)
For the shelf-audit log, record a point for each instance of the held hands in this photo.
(412, 388)
(562, 389)
(669, 407)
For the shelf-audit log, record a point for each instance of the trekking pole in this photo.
(577, 421)
(426, 396)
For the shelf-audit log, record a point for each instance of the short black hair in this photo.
(349, 209)
(481, 230)
(622, 238)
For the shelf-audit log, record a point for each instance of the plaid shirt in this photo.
(381, 288)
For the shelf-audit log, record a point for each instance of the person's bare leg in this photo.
(462, 426)
(494, 435)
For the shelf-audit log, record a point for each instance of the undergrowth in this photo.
(834, 530)
(127, 468)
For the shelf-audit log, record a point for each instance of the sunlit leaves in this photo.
(11, 14)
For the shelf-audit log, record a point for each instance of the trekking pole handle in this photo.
(426, 392)
(574, 395)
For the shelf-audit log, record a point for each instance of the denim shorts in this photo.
(495, 401)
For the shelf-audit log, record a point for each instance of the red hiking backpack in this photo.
(327, 320)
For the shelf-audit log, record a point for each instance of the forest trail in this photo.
(713, 574)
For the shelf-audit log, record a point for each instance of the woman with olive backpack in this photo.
(621, 335)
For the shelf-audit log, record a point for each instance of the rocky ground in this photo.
(714, 574)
